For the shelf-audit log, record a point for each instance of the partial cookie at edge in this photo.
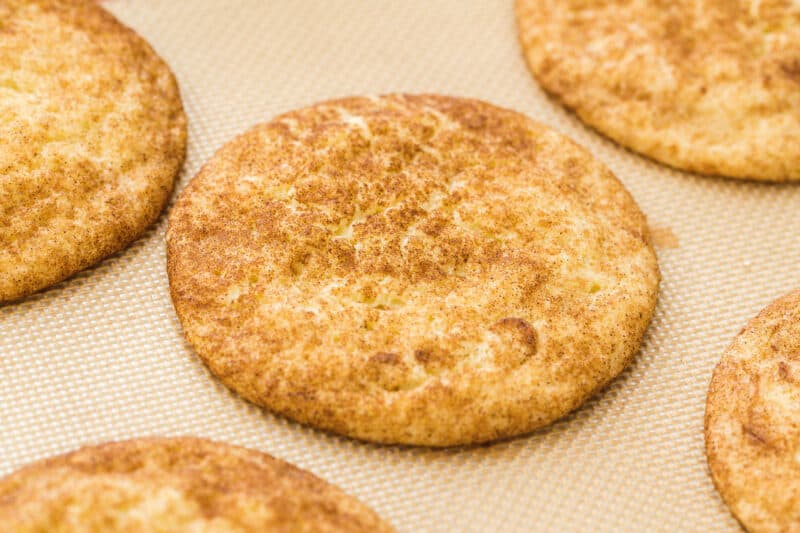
(94, 135)
(178, 485)
(710, 86)
(752, 420)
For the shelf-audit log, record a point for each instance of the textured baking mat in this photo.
(102, 357)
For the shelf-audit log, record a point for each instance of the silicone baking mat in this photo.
(101, 356)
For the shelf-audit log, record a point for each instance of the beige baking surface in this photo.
(101, 356)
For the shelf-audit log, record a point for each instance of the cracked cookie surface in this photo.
(709, 86)
(175, 485)
(411, 269)
(752, 421)
(93, 135)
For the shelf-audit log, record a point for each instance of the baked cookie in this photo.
(175, 485)
(752, 422)
(93, 135)
(709, 86)
(411, 269)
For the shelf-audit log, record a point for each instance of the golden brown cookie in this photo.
(752, 422)
(93, 134)
(411, 269)
(175, 485)
(710, 86)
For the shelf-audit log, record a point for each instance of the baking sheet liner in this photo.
(102, 357)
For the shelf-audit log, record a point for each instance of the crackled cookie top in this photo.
(414, 269)
(752, 424)
(710, 86)
(92, 136)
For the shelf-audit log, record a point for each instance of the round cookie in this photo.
(709, 86)
(175, 485)
(93, 135)
(412, 269)
(752, 421)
